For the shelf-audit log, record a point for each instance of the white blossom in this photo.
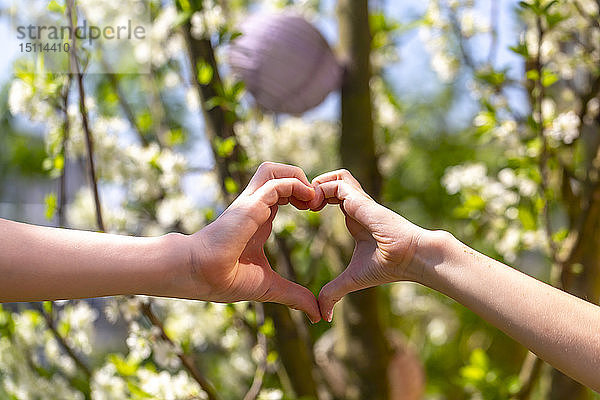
(565, 127)
(165, 386)
(270, 394)
(437, 331)
(19, 96)
(79, 317)
(208, 21)
(467, 175)
(507, 245)
(106, 384)
(138, 341)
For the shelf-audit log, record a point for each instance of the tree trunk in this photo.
(293, 351)
(581, 270)
(363, 347)
(586, 285)
(295, 356)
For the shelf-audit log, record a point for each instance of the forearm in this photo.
(39, 263)
(561, 329)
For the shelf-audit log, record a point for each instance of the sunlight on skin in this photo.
(560, 328)
(224, 262)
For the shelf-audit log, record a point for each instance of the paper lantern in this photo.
(285, 62)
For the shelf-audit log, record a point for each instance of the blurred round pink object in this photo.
(285, 62)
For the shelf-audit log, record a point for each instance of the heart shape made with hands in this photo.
(238, 269)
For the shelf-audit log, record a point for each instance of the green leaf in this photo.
(527, 219)
(472, 373)
(48, 306)
(231, 186)
(175, 137)
(237, 89)
(224, 147)
(547, 7)
(554, 19)
(272, 357)
(144, 121)
(479, 359)
(313, 219)
(548, 78)
(532, 75)
(210, 214)
(577, 269)
(524, 4)
(137, 392)
(520, 49)
(213, 102)
(267, 329)
(474, 202)
(51, 205)
(495, 78)
(560, 235)
(125, 367)
(205, 73)
(235, 35)
(184, 5)
(59, 162)
(53, 6)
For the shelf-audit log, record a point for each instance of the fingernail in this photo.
(330, 316)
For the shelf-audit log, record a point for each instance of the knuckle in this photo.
(266, 165)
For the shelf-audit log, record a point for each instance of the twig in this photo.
(127, 110)
(593, 20)
(587, 97)
(63, 151)
(85, 123)
(544, 155)
(220, 124)
(462, 46)
(61, 341)
(262, 362)
(494, 20)
(146, 308)
(186, 360)
(530, 371)
(530, 376)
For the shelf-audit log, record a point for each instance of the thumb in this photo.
(294, 296)
(357, 275)
(333, 291)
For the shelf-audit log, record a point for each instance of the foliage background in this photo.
(491, 133)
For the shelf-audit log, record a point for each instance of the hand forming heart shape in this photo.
(227, 262)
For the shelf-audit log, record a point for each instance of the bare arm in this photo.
(562, 329)
(224, 262)
(39, 263)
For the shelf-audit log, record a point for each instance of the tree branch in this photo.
(296, 358)
(261, 341)
(186, 360)
(62, 342)
(127, 110)
(84, 120)
(530, 372)
(62, 201)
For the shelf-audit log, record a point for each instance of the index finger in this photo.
(339, 175)
(355, 202)
(270, 170)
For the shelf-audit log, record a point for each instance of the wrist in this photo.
(171, 271)
(433, 250)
